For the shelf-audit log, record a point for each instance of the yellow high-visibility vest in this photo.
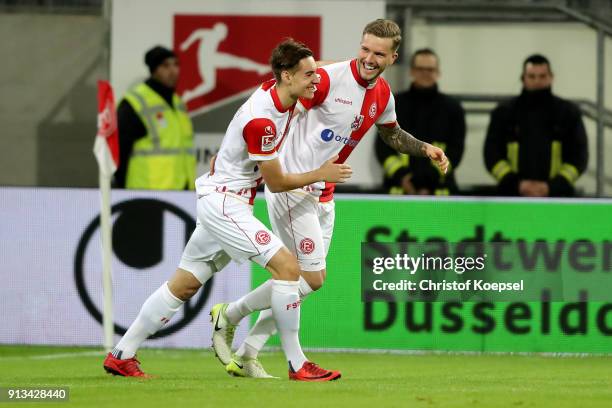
(165, 158)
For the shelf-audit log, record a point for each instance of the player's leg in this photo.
(294, 220)
(230, 220)
(243, 236)
(298, 222)
(310, 280)
(201, 258)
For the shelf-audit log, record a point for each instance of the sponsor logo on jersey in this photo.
(221, 60)
(294, 305)
(372, 110)
(262, 237)
(357, 122)
(328, 135)
(343, 101)
(307, 246)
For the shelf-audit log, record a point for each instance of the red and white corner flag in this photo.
(106, 147)
(106, 150)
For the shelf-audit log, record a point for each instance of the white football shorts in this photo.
(227, 228)
(304, 224)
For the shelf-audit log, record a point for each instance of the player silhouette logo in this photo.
(224, 58)
(210, 59)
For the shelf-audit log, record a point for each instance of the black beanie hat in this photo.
(156, 56)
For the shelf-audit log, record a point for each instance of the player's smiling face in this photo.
(303, 81)
(375, 54)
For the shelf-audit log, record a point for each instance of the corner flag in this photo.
(106, 150)
(106, 147)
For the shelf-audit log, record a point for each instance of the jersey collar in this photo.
(277, 103)
(358, 77)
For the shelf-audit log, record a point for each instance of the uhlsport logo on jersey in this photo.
(224, 58)
(328, 135)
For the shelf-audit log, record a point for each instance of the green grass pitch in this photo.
(194, 378)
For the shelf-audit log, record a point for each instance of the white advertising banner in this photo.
(51, 269)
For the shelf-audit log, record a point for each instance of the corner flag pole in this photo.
(107, 278)
(106, 150)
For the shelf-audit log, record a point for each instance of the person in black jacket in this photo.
(164, 124)
(437, 119)
(536, 145)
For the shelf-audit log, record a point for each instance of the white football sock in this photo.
(257, 299)
(156, 311)
(264, 327)
(286, 310)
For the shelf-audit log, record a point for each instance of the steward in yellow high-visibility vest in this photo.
(155, 132)
(536, 145)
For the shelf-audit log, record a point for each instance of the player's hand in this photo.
(533, 188)
(437, 155)
(335, 173)
(407, 185)
(212, 164)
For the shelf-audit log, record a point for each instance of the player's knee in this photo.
(316, 285)
(284, 266)
(183, 285)
(188, 292)
(314, 279)
(291, 272)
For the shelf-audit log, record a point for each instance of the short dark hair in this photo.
(536, 59)
(287, 55)
(383, 28)
(423, 51)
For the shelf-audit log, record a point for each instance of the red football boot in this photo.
(125, 368)
(312, 372)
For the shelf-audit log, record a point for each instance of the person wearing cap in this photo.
(155, 132)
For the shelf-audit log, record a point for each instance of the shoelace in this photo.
(257, 365)
(133, 366)
(229, 331)
(314, 369)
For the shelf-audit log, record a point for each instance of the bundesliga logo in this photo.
(218, 65)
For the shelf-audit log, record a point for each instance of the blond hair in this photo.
(384, 28)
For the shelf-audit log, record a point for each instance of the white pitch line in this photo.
(54, 356)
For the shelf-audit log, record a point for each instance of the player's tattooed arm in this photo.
(402, 141)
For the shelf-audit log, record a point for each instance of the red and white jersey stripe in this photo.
(333, 123)
(254, 134)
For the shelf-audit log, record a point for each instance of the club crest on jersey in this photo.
(372, 110)
(357, 122)
(262, 237)
(307, 246)
(267, 140)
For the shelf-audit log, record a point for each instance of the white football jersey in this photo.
(343, 109)
(253, 135)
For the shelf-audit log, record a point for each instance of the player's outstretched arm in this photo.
(279, 181)
(404, 142)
